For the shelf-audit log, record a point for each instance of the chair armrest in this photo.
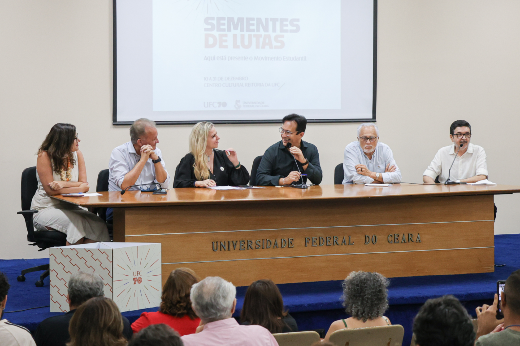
(27, 212)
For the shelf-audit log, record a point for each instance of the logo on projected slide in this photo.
(215, 104)
(237, 105)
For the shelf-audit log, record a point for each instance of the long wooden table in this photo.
(321, 233)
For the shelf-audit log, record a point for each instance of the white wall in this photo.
(438, 61)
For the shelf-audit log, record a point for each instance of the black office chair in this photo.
(42, 239)
(256, 163)
(338, 174)
(102, 185)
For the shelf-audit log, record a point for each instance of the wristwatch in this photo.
(377, 176)
(306, 162)
(157, 161)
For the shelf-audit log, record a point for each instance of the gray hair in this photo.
(83, 286)
(138, 128)
(212, 298)
(365, 295)
(367, 125)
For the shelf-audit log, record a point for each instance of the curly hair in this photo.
(365, 295)
(443, 322)
(175, 299)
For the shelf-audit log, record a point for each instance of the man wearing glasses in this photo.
(470, 165)
(284, 162)
(368, 161)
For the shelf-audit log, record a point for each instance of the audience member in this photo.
(97, 322)
(205, 166)
(443, 322)
(54, 331)
(285, 161)
(493, 332)
(365, 299)
(323, 343)
(10, 333)
(369, 161)
(263, 305)
(156, 335)
(60, 168)
(214, 301)
(175, 309)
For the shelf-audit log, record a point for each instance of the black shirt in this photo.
(54, 331)
(224, 172)
(278, 162)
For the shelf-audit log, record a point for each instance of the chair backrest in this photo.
(338, 174)
(297, 338)
(29, 186)
(373, 336)
(102, 185)
(256, 163)
(102, 180)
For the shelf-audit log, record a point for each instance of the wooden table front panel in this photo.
(318, 240)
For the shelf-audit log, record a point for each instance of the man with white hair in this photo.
(54, 331)
(369, 161)
(213, 300)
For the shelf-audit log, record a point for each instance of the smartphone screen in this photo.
(500, 288)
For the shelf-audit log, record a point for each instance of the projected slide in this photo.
(243, 60)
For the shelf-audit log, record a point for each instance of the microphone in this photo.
(448, 181)
(303, 186)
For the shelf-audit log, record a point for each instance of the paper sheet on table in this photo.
(226, 188)
(81, 194)
(483, 182)
(378, 185)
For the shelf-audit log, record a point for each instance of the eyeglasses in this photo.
(366, 139)
(460, 135)
(288, 133)
(76, 138)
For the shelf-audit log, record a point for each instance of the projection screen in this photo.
(244, 61)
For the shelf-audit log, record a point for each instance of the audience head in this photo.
(263, 305)
(59, 144)
(156, 335)
(511, 295)
(83, 286)
(198, 144)
(213, 299)
(4, 288)
(443, 322)
(97, 322)
(323, 343)
(144, 132)
(365, 295)
(459, 123)
(176, 293)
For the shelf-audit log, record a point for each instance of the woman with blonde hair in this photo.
(205, 166)
(98, 322)
(60, 168)
(175, 309)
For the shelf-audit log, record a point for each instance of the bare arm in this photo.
(132, 176)
(428, 180)
(336, 325)
(474, 179)
(44, 168)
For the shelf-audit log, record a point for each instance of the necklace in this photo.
(512, 325)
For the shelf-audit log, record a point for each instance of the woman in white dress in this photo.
(60, 168)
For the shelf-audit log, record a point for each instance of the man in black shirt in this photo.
(54, 331)
(285, 161)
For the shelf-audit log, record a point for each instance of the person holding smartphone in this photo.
(205, 165)
(492, 331)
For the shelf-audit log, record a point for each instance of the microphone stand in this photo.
(302, 185)
(448, 181)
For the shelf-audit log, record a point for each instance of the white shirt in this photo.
(14, 335)
(381, 157)
(470, 164)
(123, 159)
